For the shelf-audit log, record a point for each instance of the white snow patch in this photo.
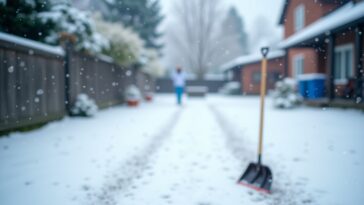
(64, 161)
(315, 154)
(311, 76)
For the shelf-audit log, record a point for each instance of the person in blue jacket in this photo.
(178, 78)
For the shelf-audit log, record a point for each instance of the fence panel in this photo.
(31, 85)
(33, 81)
(98, 78)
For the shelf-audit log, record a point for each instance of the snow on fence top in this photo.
(342, 16)
(247, 59)
(57, 50)
(105, 58)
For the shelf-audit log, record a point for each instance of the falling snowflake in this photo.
(40, 92)
(11, 69)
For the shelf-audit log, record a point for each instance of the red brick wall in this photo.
(342, 38)
(345, 37)
(249, 86)
(314, 9)
(311, 60)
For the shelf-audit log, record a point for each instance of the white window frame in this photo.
(298, 65)
(299, 17)
(342, 68)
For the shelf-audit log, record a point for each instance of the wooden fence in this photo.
(34, 78)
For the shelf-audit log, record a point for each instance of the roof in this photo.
(345, 15)
(286, 3)
(284, 11)
(248, 59)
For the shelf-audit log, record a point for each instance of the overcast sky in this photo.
(250, 10)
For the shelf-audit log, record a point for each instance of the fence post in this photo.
(67, 42)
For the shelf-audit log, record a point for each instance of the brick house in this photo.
(247, 71)
(326, 37)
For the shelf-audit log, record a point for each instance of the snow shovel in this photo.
(257, 176)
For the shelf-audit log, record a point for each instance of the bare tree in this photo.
(194, 33)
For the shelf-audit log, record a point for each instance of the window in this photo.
(298, 63)
(256, 77)
(273, 77)
(299, 17)
(343, 63)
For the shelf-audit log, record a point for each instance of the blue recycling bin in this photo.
(303, 88)
(312, 86)
(316, 88)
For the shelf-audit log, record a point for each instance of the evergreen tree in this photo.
(19, 17)
(233, 38)
(233, 29)
(141, 15)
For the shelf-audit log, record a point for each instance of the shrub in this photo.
(84, 106)
(151, 63)
(132, 92)
(285, 94)
(126, 46)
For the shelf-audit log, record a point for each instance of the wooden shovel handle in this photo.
(263, 81)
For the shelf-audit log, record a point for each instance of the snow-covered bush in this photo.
(126, 47)
(132, 92)
(151, 63)
(231, 88)
(84, 106)
(68, 19)
(285, 94)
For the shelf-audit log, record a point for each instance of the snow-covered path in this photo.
(163, 154)
(65, 162)
(192, 167)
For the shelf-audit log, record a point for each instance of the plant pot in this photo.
(132, 102)
(148, 97)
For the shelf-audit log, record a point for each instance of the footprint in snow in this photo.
(257, 199)
(203, 203)
(307, 201)
(86, 187)
(297, 159)
(27, 183)
(166, 196)
(352, 151)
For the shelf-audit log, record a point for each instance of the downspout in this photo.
(331, 68)
(359, 63)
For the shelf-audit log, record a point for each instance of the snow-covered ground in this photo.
(159, 153)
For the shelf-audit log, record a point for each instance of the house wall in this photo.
(342, 38)
(314, 9)
(251, 86)
(315, 59)
(310, 63)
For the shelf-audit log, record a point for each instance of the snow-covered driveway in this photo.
(162, 154)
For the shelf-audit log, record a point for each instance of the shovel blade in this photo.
(258, 177)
